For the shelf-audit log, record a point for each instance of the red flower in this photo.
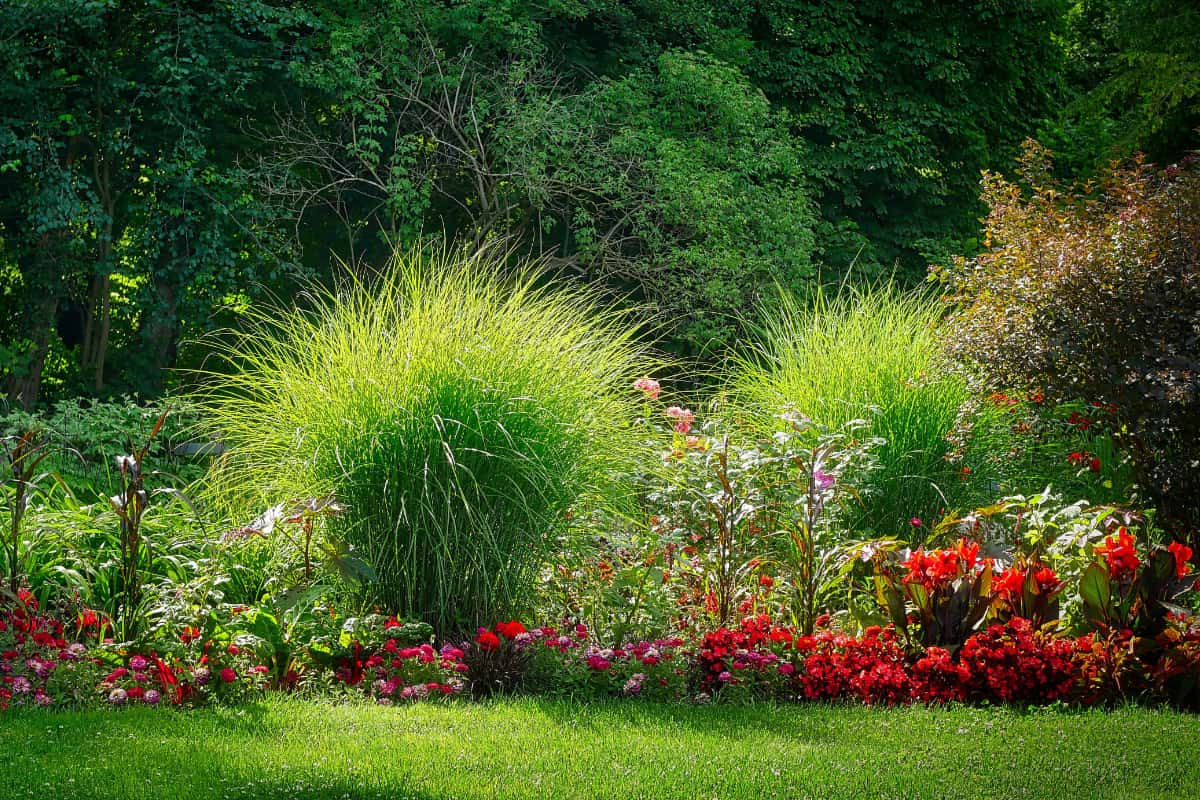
(88, 619)
(1120, 554)
(228, 675)
(934, 569)
(1047, 579)
(1075, 459)
(1009, 585)
(487, 641)
(766, 580)
(1094, 464)
(1183, 554)
(968, 552)
(189, 635)
(509, 630)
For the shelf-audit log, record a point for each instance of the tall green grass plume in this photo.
(458, 414)
(872, 354)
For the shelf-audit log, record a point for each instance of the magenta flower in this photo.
(151, 697)
(822, 480)
(598, 663)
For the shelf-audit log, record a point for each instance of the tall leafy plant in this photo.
(456, 413)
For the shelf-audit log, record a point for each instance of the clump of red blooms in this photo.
(937, 568)
(1014, 663)
(1009, 663)
(1120, 553)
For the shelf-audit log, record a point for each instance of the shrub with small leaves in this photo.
(1093, 292)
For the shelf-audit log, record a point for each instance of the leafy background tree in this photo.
(163, 164)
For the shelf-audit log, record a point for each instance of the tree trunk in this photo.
(161, 330)
(38, 308)
(95, 333)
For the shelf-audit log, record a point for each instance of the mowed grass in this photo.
(551, 749)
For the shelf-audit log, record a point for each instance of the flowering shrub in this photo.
(1091, 292)
(497, 659)
(1028, 589)
(1015, 663)
(749, 517)
(1122, 590)
(37, 665)
(938, 678)
(871, 669)
(753, 659)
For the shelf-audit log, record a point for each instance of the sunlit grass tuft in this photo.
(457, 413)
(871, 354)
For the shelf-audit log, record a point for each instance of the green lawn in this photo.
(550, 749)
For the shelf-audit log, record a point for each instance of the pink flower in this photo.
(822, 480)
(680, 414)
(151, 697)
(649, 386)
(138, 663)
(786, 669)
(228, 675)
(915, 522)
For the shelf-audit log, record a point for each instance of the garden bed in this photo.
(546, 748)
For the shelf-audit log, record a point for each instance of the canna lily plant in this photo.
(1120, 591)
(935, 597)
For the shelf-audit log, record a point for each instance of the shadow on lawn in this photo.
(809, 722)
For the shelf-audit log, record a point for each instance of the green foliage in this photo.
(120, 205)
(874, 355)
(697, 178)
(901, 104)
(456, 415)
(1090, 293)
(84, 436)
(760, 509)
(1133, 78)
(1069, 446)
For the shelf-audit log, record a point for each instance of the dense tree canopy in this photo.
(163, 162)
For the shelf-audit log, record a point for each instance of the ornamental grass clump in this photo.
(873, 355)
(457, 414)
